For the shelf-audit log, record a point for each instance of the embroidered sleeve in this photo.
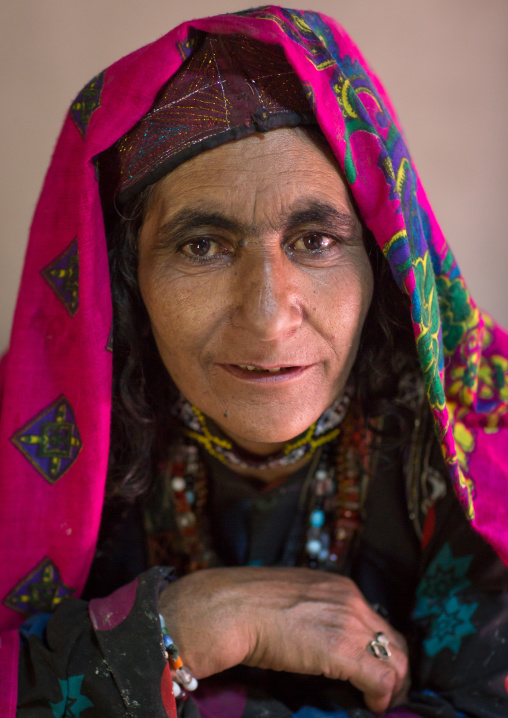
(460, 665)
(98, 659)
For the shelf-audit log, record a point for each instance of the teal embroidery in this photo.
(437, 599)
(309, 712)
(444, 577)
(450, 626)
(73, 701)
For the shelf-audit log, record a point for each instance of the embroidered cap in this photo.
(230, 87)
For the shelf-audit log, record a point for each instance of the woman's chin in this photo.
(268, 438)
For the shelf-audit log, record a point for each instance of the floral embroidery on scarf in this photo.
(437, 599)
(346, 89)
(40, 591)
(426, 315)
(291, 22)
(492, 382)
(73, 701)
(463, 376)
(62, 275)
(458, 314)
(465, 444)
(50, 441)
(493, 391)
(85, 104)
(397, 253)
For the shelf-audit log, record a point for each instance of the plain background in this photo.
(444, 62)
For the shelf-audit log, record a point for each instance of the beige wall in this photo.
(445, 63)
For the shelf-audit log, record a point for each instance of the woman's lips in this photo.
(262, 374)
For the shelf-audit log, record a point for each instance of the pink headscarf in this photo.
(56, 378)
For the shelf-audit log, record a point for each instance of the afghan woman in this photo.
(252, 422)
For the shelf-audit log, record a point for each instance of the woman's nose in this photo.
(267, 303)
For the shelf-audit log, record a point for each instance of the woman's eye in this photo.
(202, 247)
(313, 243)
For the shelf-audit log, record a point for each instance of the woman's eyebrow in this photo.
(322, 213)
(312, 212)
(172, 230)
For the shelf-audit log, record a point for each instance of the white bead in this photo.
(185, 520)
(321, 474)
(176, 689)
(178, 484)
(192, 685)
(313, 547)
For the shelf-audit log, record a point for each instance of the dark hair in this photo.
(141, 425)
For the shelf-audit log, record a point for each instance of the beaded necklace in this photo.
(332, 500)
(325, 429)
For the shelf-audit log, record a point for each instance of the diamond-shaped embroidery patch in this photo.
(62, 275)
(39, 592)
(85, 104)
(186, 46)
(51, 441)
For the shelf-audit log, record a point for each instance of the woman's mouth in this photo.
(275, 370)
(251, 372)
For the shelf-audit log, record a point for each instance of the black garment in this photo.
(450, 598)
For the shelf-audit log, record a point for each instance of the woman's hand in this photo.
(290, 619)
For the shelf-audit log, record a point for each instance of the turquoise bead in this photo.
(317, 518)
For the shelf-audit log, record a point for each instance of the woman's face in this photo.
(254, 273)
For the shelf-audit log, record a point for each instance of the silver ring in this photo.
(379, 647)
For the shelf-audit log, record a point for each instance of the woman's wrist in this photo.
(183, 678)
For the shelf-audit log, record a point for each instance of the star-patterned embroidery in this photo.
(437, 599)
(73, 701)
(450, 626)
(50, 441)
(40, 591)
(444, 577)
(85, 104)
(62, 275)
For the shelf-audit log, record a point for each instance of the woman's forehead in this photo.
(282, 173)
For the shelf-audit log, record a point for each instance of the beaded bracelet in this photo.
(185, 681)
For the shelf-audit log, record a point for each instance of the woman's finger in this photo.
(381, 679)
